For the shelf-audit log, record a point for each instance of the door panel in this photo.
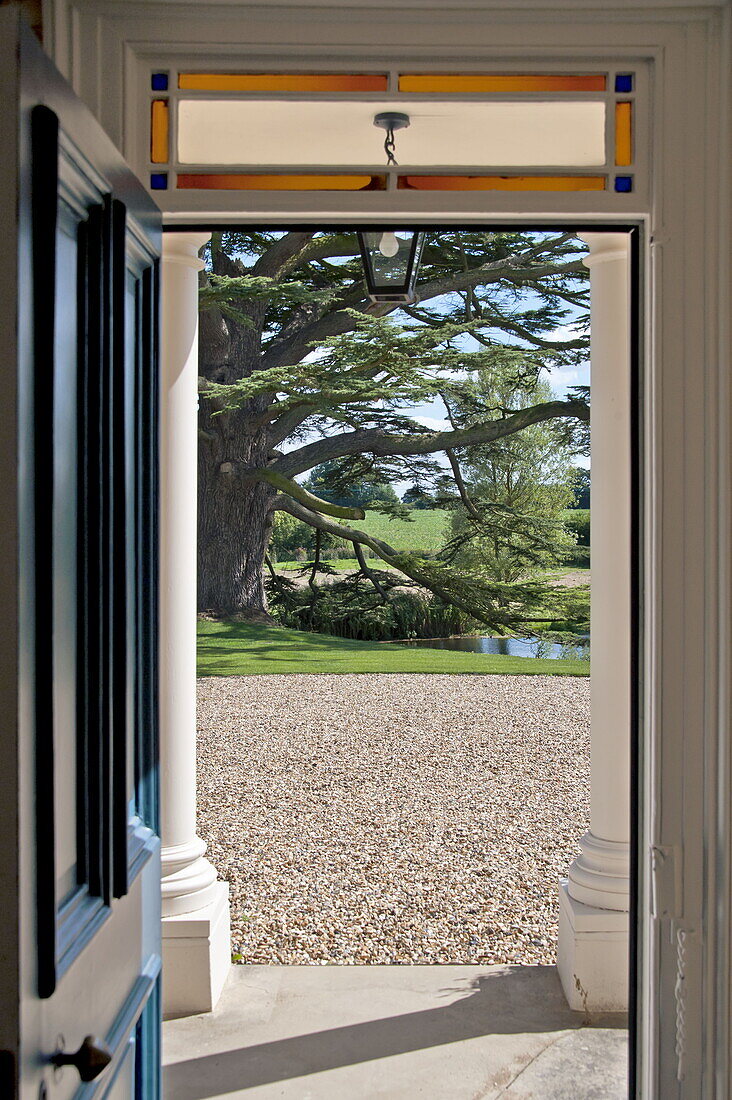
(85, 730)
(62, 616)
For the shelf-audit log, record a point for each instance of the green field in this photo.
(426, 531)
(429, 527)
(578, 514)
(240, 649)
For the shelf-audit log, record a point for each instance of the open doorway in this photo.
(283, 847)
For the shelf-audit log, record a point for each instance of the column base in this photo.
(196, 956)
(592, 955)
(189, 882)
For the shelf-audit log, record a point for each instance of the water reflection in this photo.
(509, 647)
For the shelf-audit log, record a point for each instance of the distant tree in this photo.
(290, 534)
(332, 481)
(415, 497)
(581, 488)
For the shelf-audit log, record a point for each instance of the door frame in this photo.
(640, 882)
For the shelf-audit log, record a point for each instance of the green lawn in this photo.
(240, 649)
(578, 514)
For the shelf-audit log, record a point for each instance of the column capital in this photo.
(183, 248)
(604, 247)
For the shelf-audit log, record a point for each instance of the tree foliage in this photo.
(517, 489)
(299, 369)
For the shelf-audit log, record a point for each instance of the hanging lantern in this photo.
(391, 257)
(391, 262)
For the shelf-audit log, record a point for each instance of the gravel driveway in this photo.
(393, 819)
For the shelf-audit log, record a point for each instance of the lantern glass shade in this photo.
(391, 261)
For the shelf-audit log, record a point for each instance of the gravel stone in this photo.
(393, 818)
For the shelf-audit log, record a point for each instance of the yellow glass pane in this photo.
(159, 129)
(623, 134)
(222, 181)
(283, 82)
(468, 83)
(502, 183)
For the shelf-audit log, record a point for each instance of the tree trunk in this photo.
(234, 516)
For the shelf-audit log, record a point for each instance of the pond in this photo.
(509, 647)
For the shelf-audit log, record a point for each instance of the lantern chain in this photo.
(390, 148)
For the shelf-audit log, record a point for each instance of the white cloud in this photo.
(564, 332)
(433, 423)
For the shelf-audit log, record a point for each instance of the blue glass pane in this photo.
(158, 181)
(623, 82)
(623, 183)
(159, 82)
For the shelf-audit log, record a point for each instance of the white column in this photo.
(594, 900)
(195, 905)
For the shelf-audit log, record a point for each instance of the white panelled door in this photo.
(78, 700)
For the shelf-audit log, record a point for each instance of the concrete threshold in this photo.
(357, 1032)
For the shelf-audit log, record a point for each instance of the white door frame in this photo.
(104, 45)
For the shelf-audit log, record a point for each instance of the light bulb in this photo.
(388, 245)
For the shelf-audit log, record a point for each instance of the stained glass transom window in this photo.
(294, 131)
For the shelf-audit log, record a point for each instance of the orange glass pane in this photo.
(238, 182)
(502, 183)
(159, 129)
(468, 83)
(623, 134)
(283, 82)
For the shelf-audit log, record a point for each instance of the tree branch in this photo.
(276, 580)
(368, 573)
(384, 445)
(281, 254)
(457, 473)
(293, 342)
(494, 273)
(316, 564)
(385, 552)
(285, 485)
